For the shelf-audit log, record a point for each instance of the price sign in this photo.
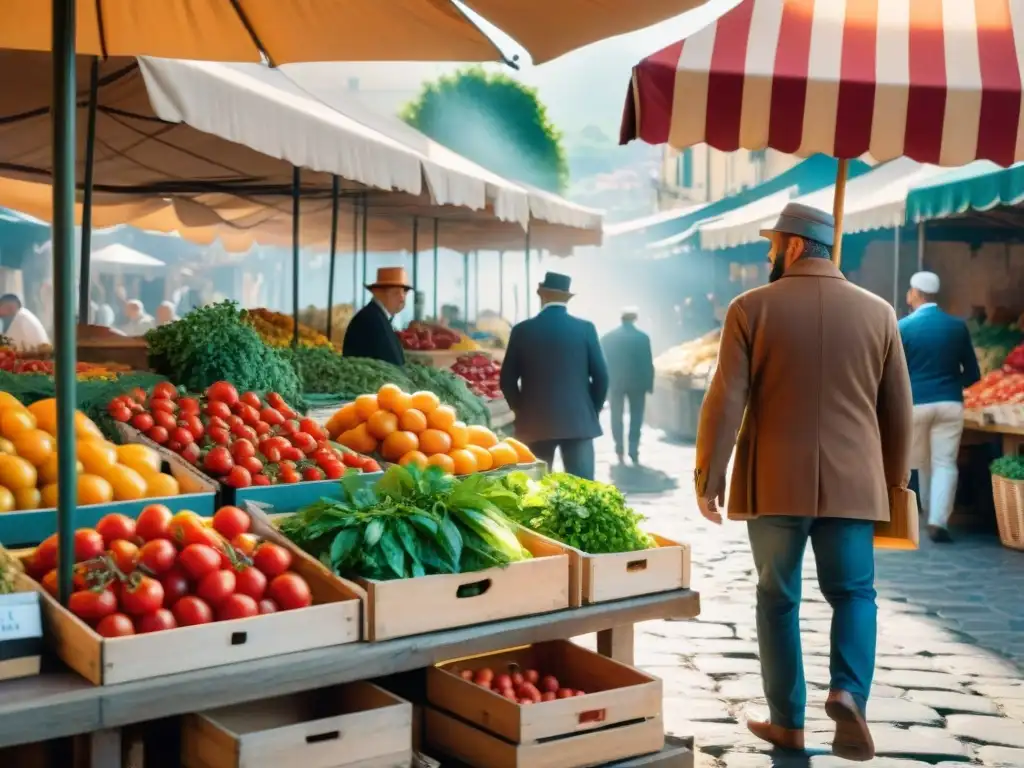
(20, 618)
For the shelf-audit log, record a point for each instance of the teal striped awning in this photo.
(978, 186)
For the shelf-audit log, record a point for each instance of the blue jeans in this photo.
(637, 399)
(845, 557)
(577, 455)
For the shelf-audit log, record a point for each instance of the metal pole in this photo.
(501, 284)
(921, 236)
(527, 290)
(296, 181)
(334, 253)
(896, 270)
(435, 270)
(63, 99)
(465, 287)
(476, 286)
(90, 152)
(417, 299)
(366, 217)
(355, 255)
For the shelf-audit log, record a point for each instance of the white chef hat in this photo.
(925, 282)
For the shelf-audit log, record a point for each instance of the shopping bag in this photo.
(903, 529)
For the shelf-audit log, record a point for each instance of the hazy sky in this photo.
(585, 87)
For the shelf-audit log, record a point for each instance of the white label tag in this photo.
(20, 617)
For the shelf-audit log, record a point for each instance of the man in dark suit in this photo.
(370, 333)
(555, 380)
(631, 371)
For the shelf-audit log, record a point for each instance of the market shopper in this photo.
(137, 320)
(23, 328)
(370, 333)
(627, 351)
(812, 377)
(555, 380)
(165, 313)
(942, 363)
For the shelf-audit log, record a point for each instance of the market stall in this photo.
(681, 378)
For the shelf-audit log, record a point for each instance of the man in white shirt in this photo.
(21, 326)
(138, 321)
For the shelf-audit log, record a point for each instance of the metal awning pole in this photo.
(527, 290)
(355, 255)
(366, 217)
(417, 299)
(476, 286)
(296, 181)
(63, 100)
(84, 277)
(501, 284)
(465, 287)
(896, 269)
(435, 271)
(334, 252)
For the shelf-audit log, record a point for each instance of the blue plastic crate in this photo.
(290, 497)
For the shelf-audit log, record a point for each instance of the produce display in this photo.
(992, 343)
(429, 337)
(452, 390)
(585, 514)
(15, 361)
(410, 523)
(215, 343)
(1010, 467)
(163, 571)
(999, 387)
(341, 316)
(522, 686)
(106, 472)
(694, 358)
(482, 374)
(276, 329)
(417, 429)
(239, 439)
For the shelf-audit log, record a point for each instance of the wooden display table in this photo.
(1013, 437)
(62, 704)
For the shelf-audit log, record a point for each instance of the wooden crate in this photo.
(616, 694)
(21, 634)
(356, 726)
(333, 619)
(676, 753)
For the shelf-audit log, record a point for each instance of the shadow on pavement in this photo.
(641, 479)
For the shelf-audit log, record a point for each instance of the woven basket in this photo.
(1009, 502)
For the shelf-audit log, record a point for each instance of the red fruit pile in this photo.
(240, 440)
(523, 686)
(482, 374)
(163, 571)
(427, 337)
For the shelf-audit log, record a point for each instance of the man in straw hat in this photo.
(812, 376)
(631, 371)
(370, 333)
(942, 364)
(555, 380)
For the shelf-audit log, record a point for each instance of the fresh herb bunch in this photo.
(10, 567)
(214, 343)
(590, 516)
(1010, 467)
(452, 390)
(410, 523)
(325, 372)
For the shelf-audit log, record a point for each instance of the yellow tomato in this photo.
(13, 422)
(7, 400)
(48, 469)
(6, 446)
(128, 484)
(6, 500)
(93, 489)
(35, 445)
(158, 484)
(48, 496)
(27, 498)
(86, 429)
(141, 458)
(97, 456)
(16, 473)
(45, 414)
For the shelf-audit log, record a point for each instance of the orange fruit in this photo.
(34, 445)
(366, 406)
(13, 422)
(27, 498)
(442, 460)
(45, 414)
(48, 469)
(425, 401)
(503, 455)
(17, 473)
(97, 456)
(401, 404)
(344, 419)
(435, 441)
(381, 424)
(158, 484)
(442, 417)
(6, 446)
(482, 436)
(48, 496)
(412, 420)
(398, 444)
(86, 429)
(7, 400)
(93, 489)
(484, 460)
(459, 433)
(128, 484)
(463, 462)
(141, 458)
(413, 457)
(390, 397)
(7, 501)
(358, 439)
(523, 452)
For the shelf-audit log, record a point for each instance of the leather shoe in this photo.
(852, 739)
(783, 738)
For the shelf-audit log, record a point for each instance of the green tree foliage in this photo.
(495, 121)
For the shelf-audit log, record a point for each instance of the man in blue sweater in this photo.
(942, 364)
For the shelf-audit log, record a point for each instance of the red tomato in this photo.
(45, 557)
(160, 405)
(223, 391)
(216, 587)
(272, 559)
(261, 428)
(113, 527)
(291, 453)
(156, 621)
(157, 434)
(125, 555)
(274, 399)
(182, 435)
(165, 419)
(189, 611)
(145, 595)
(270, 452)
(311, 427)
(188, 405)
(193, 424)
(260, 479)
(92, 605)
(250, 415)
(272, 416)
(219, 435)
(245, 432)
(333, 470)
(239, 477)
(88, 544)
(115, 625)
(371, 466)
(165, 390)
(191, 453)
(217, 409)
(218, 461)
(252, 399)
(250, 581)
(289, 427)
(229, 522)
(245, 543)
(175, 585)
(268, 606)
(120, 413)
(138, 395)
(288, 475)
(290, 591)
(158, 556)
(304, 441)
(141, 421)
(237, 607)
(153, 522)
(186, 528)
(197, 560)
(242, 449)
(312, 474)
(251, 464)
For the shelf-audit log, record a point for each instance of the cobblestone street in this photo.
(948, 686)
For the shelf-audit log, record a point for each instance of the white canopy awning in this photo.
(743, 225)
(117, 259)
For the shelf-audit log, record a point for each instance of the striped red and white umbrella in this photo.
(938, 81)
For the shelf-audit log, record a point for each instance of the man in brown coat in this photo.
(812, 390)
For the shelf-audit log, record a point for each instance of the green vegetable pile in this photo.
(410, 523)
(1010, 467)
(214, 343)
(590, 516)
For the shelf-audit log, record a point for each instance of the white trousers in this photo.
(937, 431)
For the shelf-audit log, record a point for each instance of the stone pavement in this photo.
(948, 689)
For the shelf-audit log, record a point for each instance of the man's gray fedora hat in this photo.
(805, 221)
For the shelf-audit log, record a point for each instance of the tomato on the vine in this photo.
(115, 625)
(185, 528)
(290, 591)
(153, 522)
(125, 555)
(216, 587)
(115, 526)
(142, 595)
(88, 544)
(250, 581)
(237, 606)
(245, 543)
(158, 556)
(92, 605)
(189, 611)
(272, 559)
(230, 522)
(197, 560)
(156, 621)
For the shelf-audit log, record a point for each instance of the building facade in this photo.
(701, 174)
